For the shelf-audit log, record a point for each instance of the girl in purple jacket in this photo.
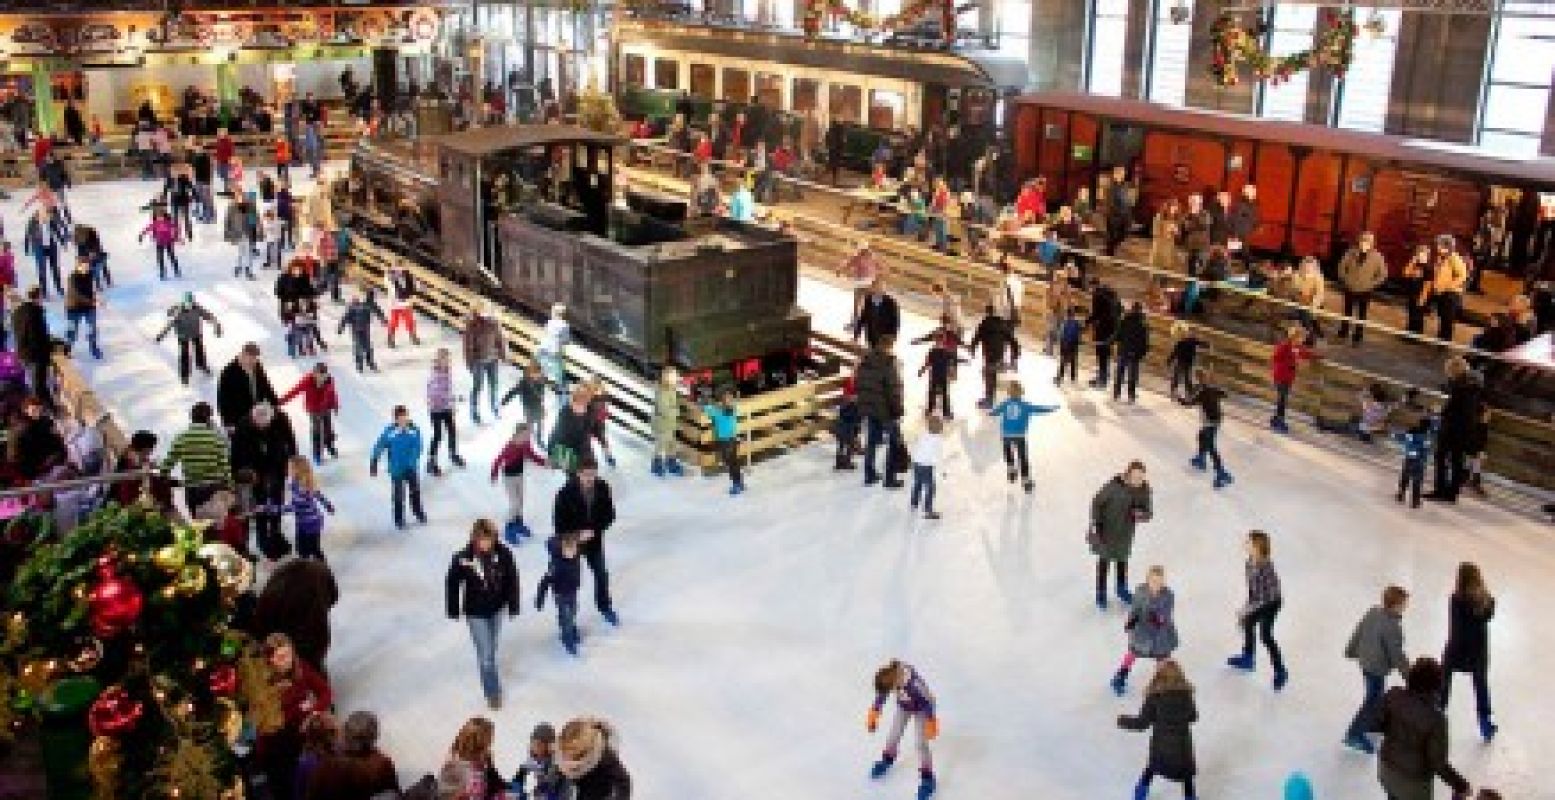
(164, 234)
(914, 703)
(307, 504)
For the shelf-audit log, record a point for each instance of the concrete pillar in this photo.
(1058, 29)
(1135, 47)
(1437, 74)
(1203, 92)
(44, 116)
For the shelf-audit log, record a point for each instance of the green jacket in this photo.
(203, 453)
(1115, 511)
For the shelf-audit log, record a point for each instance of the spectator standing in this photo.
(587, 758)
(1133, 340)
(1194, 229)
(1103, 322)
(1450, 276)
(1362, 271)
(878, 382)
(1455, 432)
(1120, 209)
(357, 770)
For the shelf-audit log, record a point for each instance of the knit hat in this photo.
(1298, 787)
(543, 733)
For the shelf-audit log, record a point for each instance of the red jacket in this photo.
(317, 398)
(1287, 357)
(224, 149)
(514, 455)
(41, 147)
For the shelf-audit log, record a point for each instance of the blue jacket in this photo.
(1417, 446)
(1015, 416)
(403, 446)
(1048, 251)
(562, 577)
(725, 421)
(1069, 333)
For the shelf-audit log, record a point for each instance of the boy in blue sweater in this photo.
(726, 434)
(1069, 332)
(562, 579)
(1417, 448)
(1014, 418)
(402, 441)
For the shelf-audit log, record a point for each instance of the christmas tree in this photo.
(131, 613)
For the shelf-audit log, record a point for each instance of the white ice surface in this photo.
(752, 625)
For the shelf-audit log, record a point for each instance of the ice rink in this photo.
(752, 625)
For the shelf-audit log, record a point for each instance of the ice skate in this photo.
(657, 467)
(926, 786)
(610, 617)
(1244, 662)
(1360, 743)
(1281, 677)
(672, 466)
(1101, 600)
(456, 460)
(1119, 682)
(1198, 463)
(1125, 596)
(881, 767)
(1028, 485)
(1487, 729)
(510, 531)
(433, 469)
(1223, 479)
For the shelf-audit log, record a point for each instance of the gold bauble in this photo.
(234, 573)
(35, 676)
(103, 761)
(169, 558)
(191, 580)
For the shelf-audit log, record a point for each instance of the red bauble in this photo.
(114, 713)
(115, 601)
(223, 680)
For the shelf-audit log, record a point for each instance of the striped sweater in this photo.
(203, 454)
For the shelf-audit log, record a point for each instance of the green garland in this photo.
(1235, 46)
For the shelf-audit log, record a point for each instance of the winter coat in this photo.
(1133, 335)
(1152, 628)
(237, 394)
(186, 321)
(1168, 716)
(574, 512)
(879, 318)
(440, 390)
(35, 447)
(483, 341)
(1414, 746)
(80, 292)
(1243, 218)
(403, 447)
(1377, 643)
(317, 397)
(352, 777)
(306, 506)
(54, 174)
(164, 232)
(1015, 416)
(291, 288)
(510, 460)
(994, 335)
(1461, 411)
(482, 586)
(564, 575)
(1468, 635)
(1285, 360)
(1115, 511)
(1362, 273)
(1194, 229)
(31, 328)
(234, 226)
(666, 415)
(1103, 319)
(358, 316)
(597, 773)
(265, 450)
(296, 601)
(878, 382)
(574, 431)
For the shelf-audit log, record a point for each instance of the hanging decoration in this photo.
(1234, 46)
(911, 13)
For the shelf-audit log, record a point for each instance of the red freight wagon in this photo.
(1318, 187)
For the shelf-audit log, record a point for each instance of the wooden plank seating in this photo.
(771, 423)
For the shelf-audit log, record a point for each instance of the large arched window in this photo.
(1291, 32)
(1517, 89)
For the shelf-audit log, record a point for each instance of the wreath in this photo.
(1235, 45)
(815, 12)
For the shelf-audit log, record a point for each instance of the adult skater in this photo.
(440, 408)
(1208, 397)
(879, 315)
(1468, 642)
(1168, 713)
(553, 343)
(34, 344)
(1120, 505)
(401, 440)
(994, 335)
(666, 424)
(187, 323)
(878, 382)
(358, 317)
(1262, 606)
(81, 302)
(239, 230)
(401, 288)
(1103, 322)
(914, 704)
(43, 238)
(587, 758)
(1414, 737)
(264, 443)
(1151, 626)
(89, 246)
(583, 506)
(242, 384)
(1455, 432)
(484, 350)
(572, 435)
(1133, 341)
(1377, 647)
(481, 584)
(203, 453)
(1014, 420)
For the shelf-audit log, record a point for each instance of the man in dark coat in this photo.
(995, 336)
(1133, 340)
(879, 316)
(1120, 209)
(1103, 322)
(879, 386)
(1244, 217)
(836, 142)
(1459, 416)
(264, 443)
(584, 505)
(34, 346)
(243, 383)
(684, 106)
(35, 446)
(75, 126)
(296, 601)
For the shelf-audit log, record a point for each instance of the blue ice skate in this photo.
(512, 533)
(1245, 662)
(1198, 463)
(881, 767)
(1223, 479)
(926, 785)
(672, 466)
(657, 467)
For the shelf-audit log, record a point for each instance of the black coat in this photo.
(296, 601)
(1103, 320)
(235, 396)
(1468, 635)
(264, 450)
(36, 447)
(1414, 743)
(476, 592)
(291, 288)
(31, 328)
(878, 383)
(994, 335)
(1134, 335)
(1460, 412)
(1168, 716)
(608, 780)
(573, 512)
(877, 319)
(574, 431)
(200, 164)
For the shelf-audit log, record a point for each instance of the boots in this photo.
(1223, 479)
(926, 785)
(1246, 662)
(510, 531)
(1476, 484)
(1125, 596)
(1101, 599)
(433, 469)
(1120, 681)
(844, 463)
(673, 467)
(657, 467)
(1198, 463)
(453, 458)
(882, 766)
(1487, 729)
(1141, 789)
(1281, 677)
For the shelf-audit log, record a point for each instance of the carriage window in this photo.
(885, 109)
(769, 88)
(846, 103)
(807, 95)
(666, 73)
(636, 69)
(737, 85)
(704, 80)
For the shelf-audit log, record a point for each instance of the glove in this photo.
(873, 720)
(931, 729)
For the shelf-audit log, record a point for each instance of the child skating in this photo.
(541, 767)
(401, 440)
(927, 453)
(510, 465)
(1262, 606)
(726, 436)
(1015, 415)
(847, 427)
(440, 405)
(563, 577)
(599, 413)
(1151, 626)
(1208, 397)
(322, 403)
(914, 704)
(1417, 449)
(307, 504)
(358, 317)
(666, 424)
(1168, 713)
(940, 363)
(1070, 331)
(530, 391)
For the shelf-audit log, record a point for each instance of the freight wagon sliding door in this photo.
(1409, 208)
(1175, 165)
(1316, 205)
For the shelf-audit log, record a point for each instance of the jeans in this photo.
(407, 483)
(272, 255)
(1015, 451)
(1281, 399)
(923, 486)
(89, 316)
(593, 552)
(567, 615)
(165, 254)
(484, 632)
(362, 351)
(186, 348)
(1263, 621)
(1481, 681)
(47, 259)
(442, 420)
(1355, 305)
(1410, 478)
(1365, 715)
(245, 265)
(1128, 373)
(101, 277)
(485, 374)
(1448, 304)
(204, 202)
(321, 429)
(1207, 447)
(878, 433)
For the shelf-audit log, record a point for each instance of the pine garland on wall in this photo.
(1236, 46)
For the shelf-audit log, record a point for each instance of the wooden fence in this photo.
(771, 423)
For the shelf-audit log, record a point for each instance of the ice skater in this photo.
(1070, 332)
(401, 288)
(187, 322)
(307, 505)
(1377, 647)
(1262, 606)
(1417, 449)
(553, 345)
(509, 464)
(1185, 352)
(484, 349)
(1116, 510)
(725, 418)
(1168, 713)
(440, 404)
(1015, 415)
(1468, 642)
(530, 391)
(914, 704)
(401, 440)
(1284, 363)
(927, 453)
(322, 403)
(584, 507)
(1151, 626)
(482, 583)
(358, 317)
(563, 578)
(940, 363)
(1208, 397)
(599, 416)
(666, 425)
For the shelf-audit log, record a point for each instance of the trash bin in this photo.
(64, 738)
